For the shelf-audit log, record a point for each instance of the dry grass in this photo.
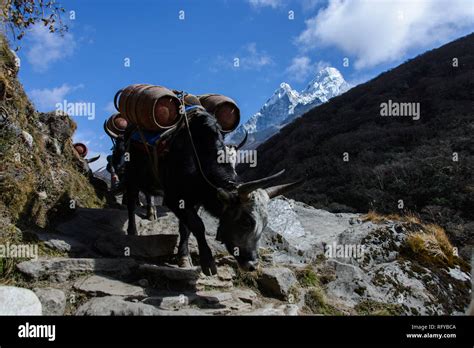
(307, 277)
(316, 302)
(432, 245)
(428, 242)
(374, 308)
(378, 218)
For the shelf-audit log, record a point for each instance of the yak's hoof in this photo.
(151, 214)
(132, 232)
(209, 268)
(185, 262)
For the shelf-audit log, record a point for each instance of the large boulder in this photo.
(276, 282)
(19, 301)
(364, 264)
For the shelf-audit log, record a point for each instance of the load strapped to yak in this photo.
(149, 115)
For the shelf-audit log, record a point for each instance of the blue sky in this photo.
(197, 54)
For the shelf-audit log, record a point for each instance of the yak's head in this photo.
(245, 217)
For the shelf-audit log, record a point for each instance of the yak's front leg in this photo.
(184, 259)
(193, 222)
(132, 197)
(150, 207)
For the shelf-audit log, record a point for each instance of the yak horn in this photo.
(281, 189)
(247, 187)
(93, 159)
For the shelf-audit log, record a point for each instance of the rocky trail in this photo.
(96, 269)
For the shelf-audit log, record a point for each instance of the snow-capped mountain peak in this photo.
(327, 84)
(286, 104)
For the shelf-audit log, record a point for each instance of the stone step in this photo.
(170, 277)
(169, 302)
(64, 243)
(104, 230)
(99, 285)
(87, 224)
(61, 269)
(273, 309)
(139, 247)
(213, 282)
(116, 306)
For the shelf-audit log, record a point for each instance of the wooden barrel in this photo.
(81, 149)
(223, 108)
(151, 107)
(115, 125)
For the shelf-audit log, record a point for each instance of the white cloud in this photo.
(384, 31)
(249, 58)
(302, 69)
(46, 99)
(266, 3)
(46, 48)
(254, 59)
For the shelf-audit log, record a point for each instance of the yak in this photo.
(190, 177)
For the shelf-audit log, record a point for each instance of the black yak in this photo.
(189, 182)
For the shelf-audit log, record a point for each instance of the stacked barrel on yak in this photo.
(156, 109)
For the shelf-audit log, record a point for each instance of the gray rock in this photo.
(297, 231)
(28, 138)
(168, 302)
(116, 306)
(58, 244)
(245, 295)
(60, 269)
(238, 307)
(42, 195)
(225, 273)
(223, 279)
(19, 301)
(216, 311)
(270, 309)
(364, 259)
(56, 147)
(97, 285)
(213, 296)
(213, 282)
(53, 300)
(184, 312)
(276, 282)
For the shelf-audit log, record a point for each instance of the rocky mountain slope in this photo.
(355, 159)
(40, 170)
(286, 104)
(97, 270)
(41, 174)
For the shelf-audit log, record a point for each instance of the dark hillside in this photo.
(390, 158)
